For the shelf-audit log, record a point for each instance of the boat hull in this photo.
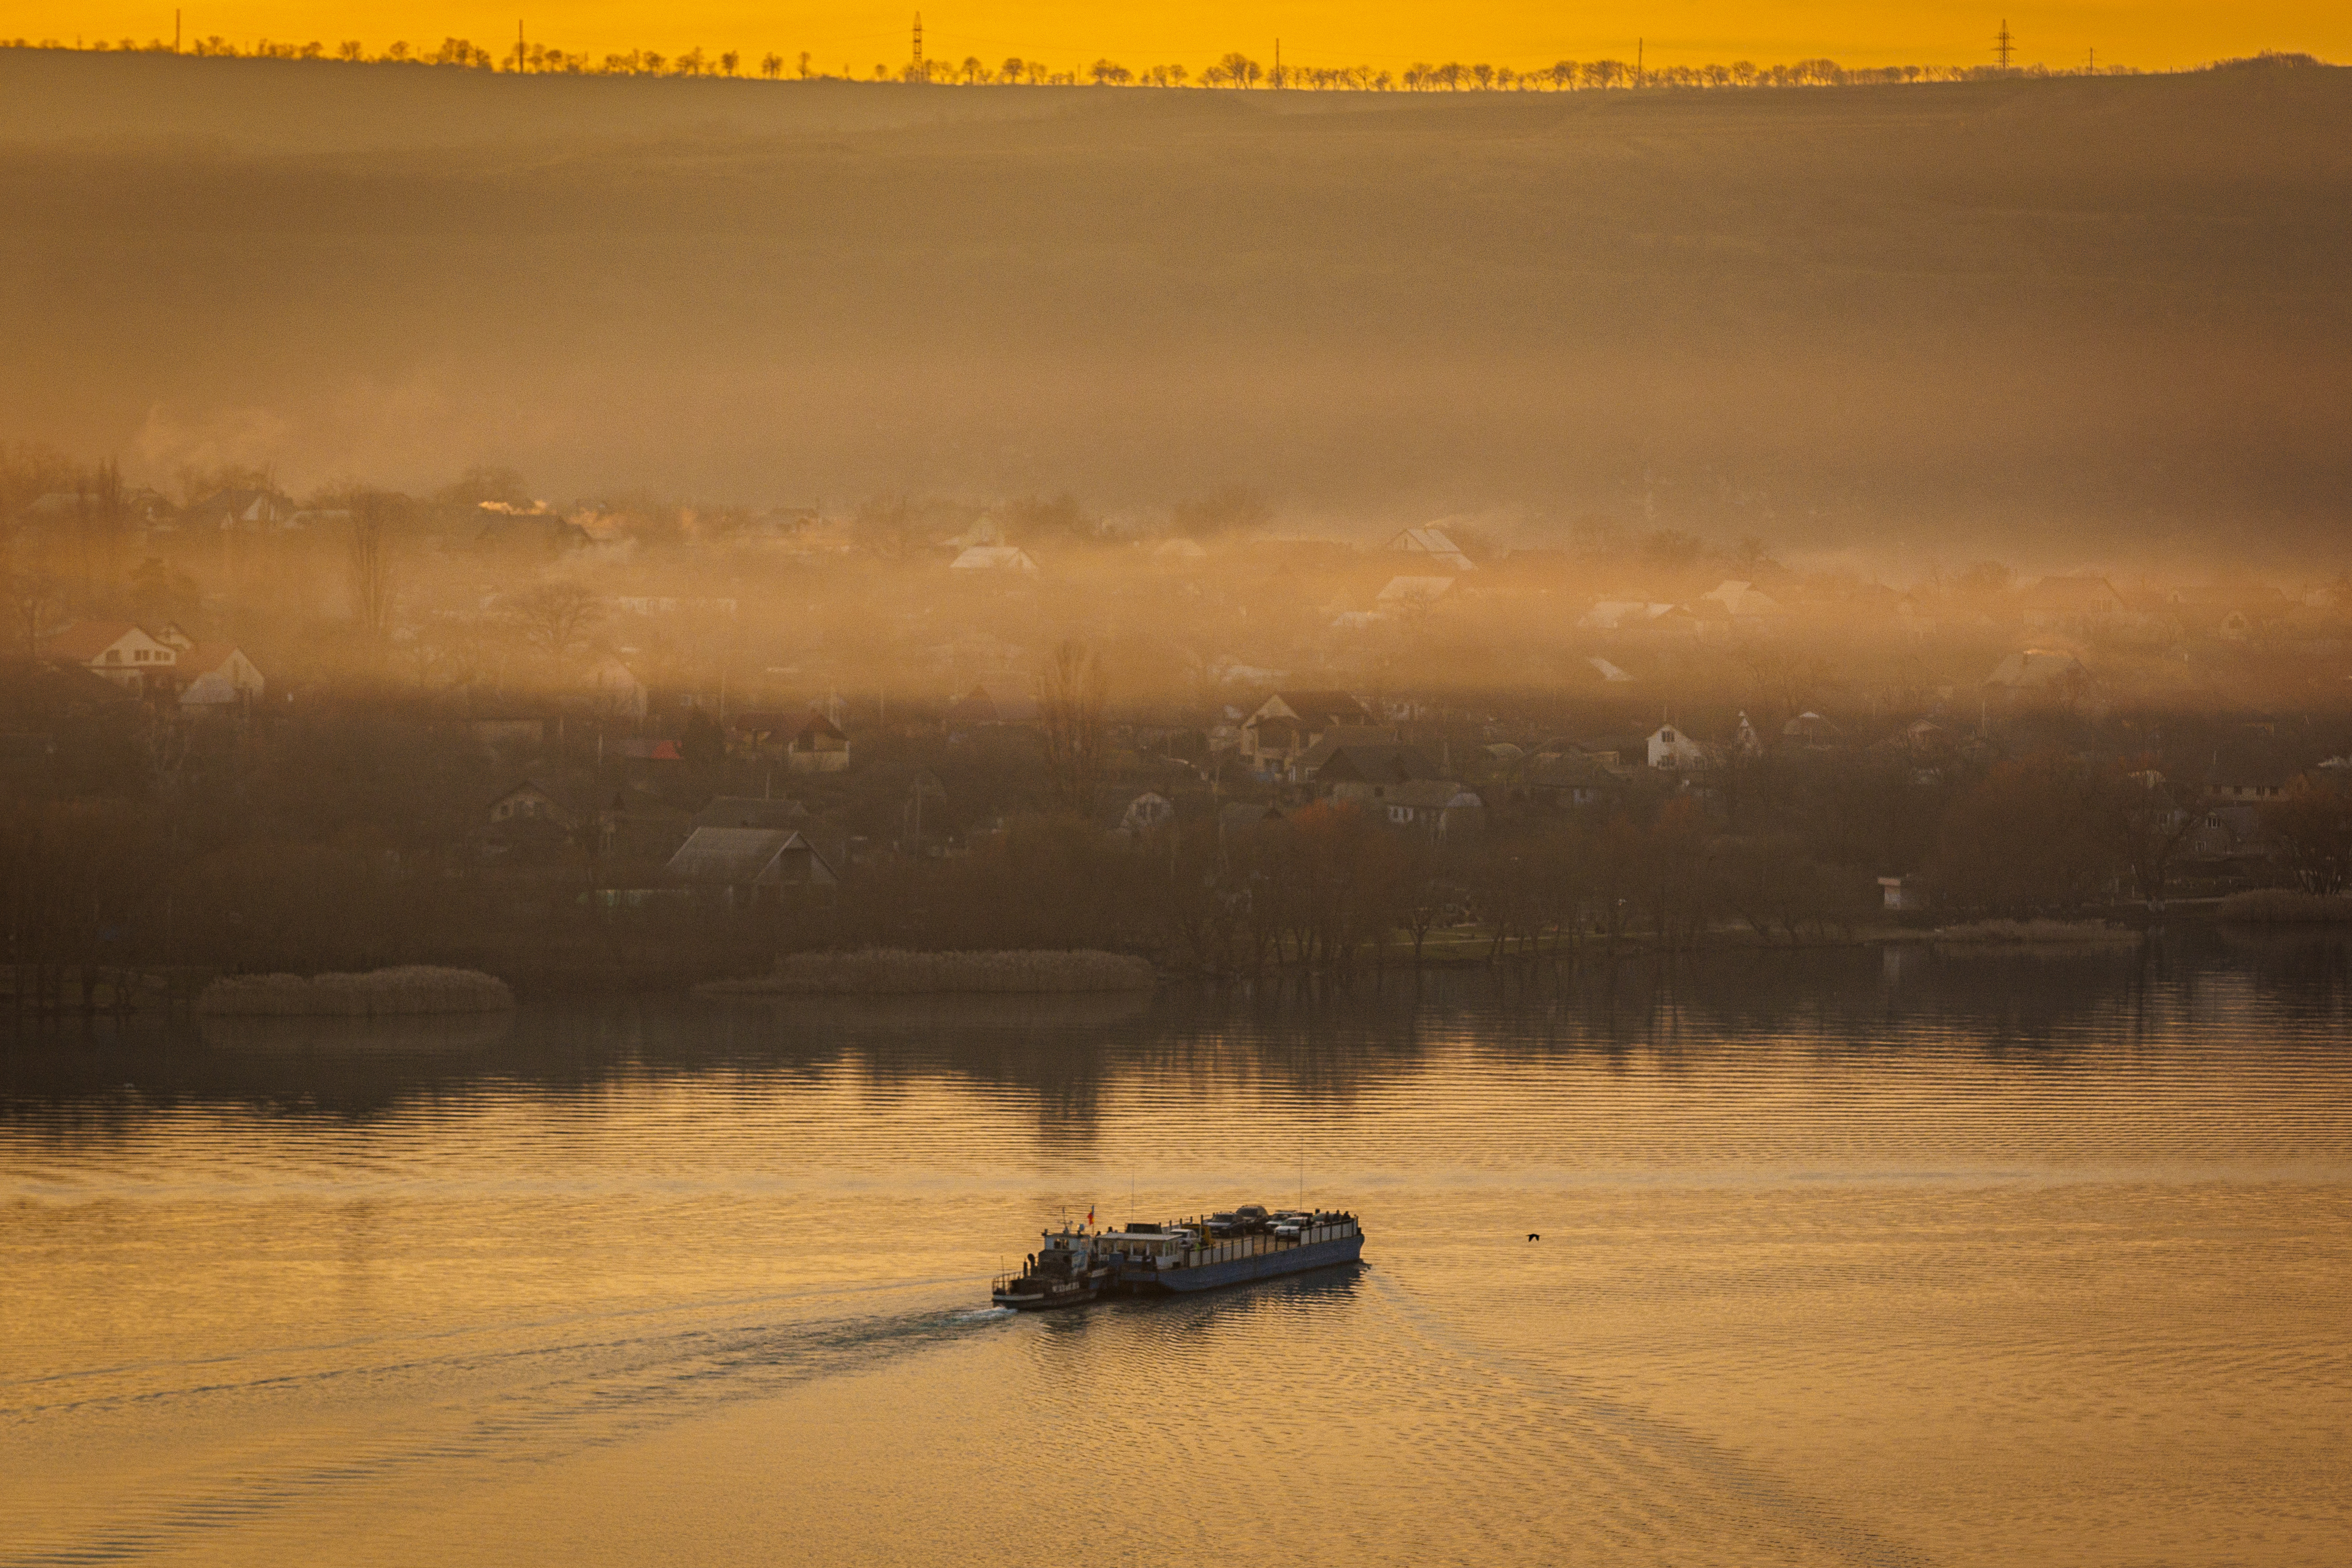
(1261, 1266)
(1047, 1303)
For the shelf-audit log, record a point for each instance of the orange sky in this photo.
(1384, 34)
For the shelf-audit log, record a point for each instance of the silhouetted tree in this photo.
(1070, 709)
(555, 617)
(702, 742)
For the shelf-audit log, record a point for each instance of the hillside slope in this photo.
(2070, 313)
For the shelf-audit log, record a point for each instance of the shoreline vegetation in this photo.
(891, 972)
(409, 990)
(1234, 70)
(2285, 906)
(2035, 933)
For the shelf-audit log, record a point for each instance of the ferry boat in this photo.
(1078, 1263)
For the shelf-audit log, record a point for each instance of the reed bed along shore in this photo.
(383, 992)
(2286, 906)
(2035, 933)
(887, 972)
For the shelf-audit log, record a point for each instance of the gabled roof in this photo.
(818, 727)
(747, 857)
(993, 702)
(1373, 762)
(1570, 770)
(1810, 726)
(995, 557)
(1312, 707)
(84, 640)
(1434, 543)
(1339, 735)
(205, 658)
(1242, 816)
(1740, 598)
(241, 506)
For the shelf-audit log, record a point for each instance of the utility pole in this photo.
(1637, 61)
(917, 71)
(1278, 64)
(176, 31)
(2004, 44)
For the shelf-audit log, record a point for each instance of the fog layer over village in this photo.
(638, 741)
(2078, 319)
(627, 532)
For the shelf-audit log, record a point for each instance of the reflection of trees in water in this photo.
(1299, 1036)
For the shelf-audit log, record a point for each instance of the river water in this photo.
(1877, 1257)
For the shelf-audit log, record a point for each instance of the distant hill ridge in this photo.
(2106, 305)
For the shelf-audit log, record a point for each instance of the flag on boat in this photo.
(1090, 1213)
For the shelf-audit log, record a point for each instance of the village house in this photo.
(2248, 774)
(124, 654)
(818, 746)
(981, 561)
(217, 678)
(1443, 809)
(240, 511)
(746, 867)
(534, 824)
(1901, 893)
(1746, 604)
(1362, 770)
(1146, 811)
(2227, 612)
(1808, 730)
(1436, 549)
(991, 702)
(1641, 620)
(2044, 679)
(1568, 779)
(1675, 751)
(760, 733)
(1286, 725)
(2072, 604)
(1239, 818)
(610, 687)
(527, 801)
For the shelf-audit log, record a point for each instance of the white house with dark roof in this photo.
(214, 676)
(1288, 723)
(122, 653)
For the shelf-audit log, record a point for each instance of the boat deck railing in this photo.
(1242, 1246)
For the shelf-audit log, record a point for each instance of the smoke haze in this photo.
(2064, 318)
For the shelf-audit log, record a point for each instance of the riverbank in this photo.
(882, 972)
(2285, 906)
(409, 990)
